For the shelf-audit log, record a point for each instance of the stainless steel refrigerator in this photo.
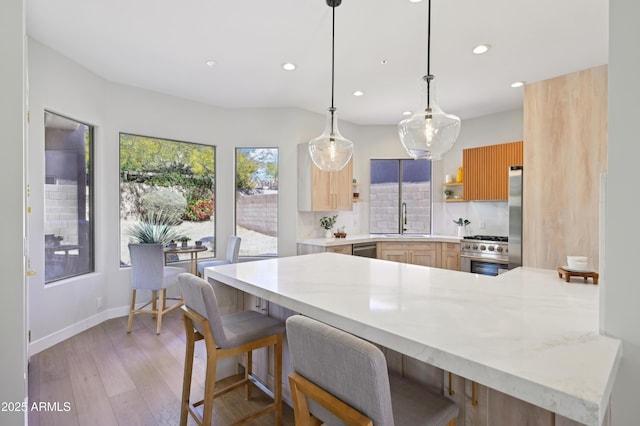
(515, 216)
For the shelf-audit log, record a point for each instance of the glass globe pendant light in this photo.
(430, 132)
(331, 151)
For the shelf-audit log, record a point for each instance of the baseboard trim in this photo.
(61, 335)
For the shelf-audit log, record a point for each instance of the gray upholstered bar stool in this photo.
(338, 375)
(225, 336)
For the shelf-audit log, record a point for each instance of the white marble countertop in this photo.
(366, 238)
(526, 333)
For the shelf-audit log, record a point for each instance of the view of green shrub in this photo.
(245, 168)
(164, 200)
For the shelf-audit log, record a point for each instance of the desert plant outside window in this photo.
(166, 185)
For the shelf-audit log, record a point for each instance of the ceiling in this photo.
(162, 45)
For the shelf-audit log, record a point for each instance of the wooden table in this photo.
(568, 273)
(193, 251)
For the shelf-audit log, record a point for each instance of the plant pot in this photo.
(184, 244)
(461, 231)
(172, 246)
(328, 234)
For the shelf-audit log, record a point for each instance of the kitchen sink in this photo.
(404, 235)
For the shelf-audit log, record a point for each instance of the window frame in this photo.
(183, 257)
(90, 162)
(235, 195)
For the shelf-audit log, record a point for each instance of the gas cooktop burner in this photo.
(487, 238)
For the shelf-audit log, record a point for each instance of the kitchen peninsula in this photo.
(524, 333)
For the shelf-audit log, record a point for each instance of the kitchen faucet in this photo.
(404, 218)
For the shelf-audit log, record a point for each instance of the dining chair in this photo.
(225, 336)
(233, 250)
(339, 376)
(149, 273)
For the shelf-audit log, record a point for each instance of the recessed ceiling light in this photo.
(481, 48)
(358, 93)
(407, 113)
(211, 63)
(288, 66)
(415, 1)
(517, 84)
(384, 62)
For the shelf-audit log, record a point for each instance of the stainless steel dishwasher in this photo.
(365, 250)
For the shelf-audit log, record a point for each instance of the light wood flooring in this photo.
(109, 377)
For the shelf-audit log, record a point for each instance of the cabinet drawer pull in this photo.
(474, 397)
(451, 391)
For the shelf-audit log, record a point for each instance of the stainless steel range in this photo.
(484, 254)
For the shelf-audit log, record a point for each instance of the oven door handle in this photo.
(484, 259)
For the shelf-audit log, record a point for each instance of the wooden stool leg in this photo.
(209, 387)
(277, 394)
(133, 306)
(188, 370)
(161, 301)
(247, 372)
(154, 302)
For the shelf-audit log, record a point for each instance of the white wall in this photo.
(12, 262)
(620, 291)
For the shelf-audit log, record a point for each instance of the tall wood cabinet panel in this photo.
(486, 170)
(565, 130)
(321, 191)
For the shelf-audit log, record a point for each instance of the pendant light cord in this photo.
(333, 56)
(429, 77)
(429, 38)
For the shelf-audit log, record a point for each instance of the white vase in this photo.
(461, 231)
(328, 234)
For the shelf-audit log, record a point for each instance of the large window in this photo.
(68, 214)
(400, 192)
(257, 201)
(169, 185)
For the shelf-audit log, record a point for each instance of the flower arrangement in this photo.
(327, 222)
(461, 222)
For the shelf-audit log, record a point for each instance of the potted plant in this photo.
(461, 226)
(184, 240)
(327, 223)
(448, 193)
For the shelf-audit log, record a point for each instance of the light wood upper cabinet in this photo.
(486, 170)
(319, 190)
